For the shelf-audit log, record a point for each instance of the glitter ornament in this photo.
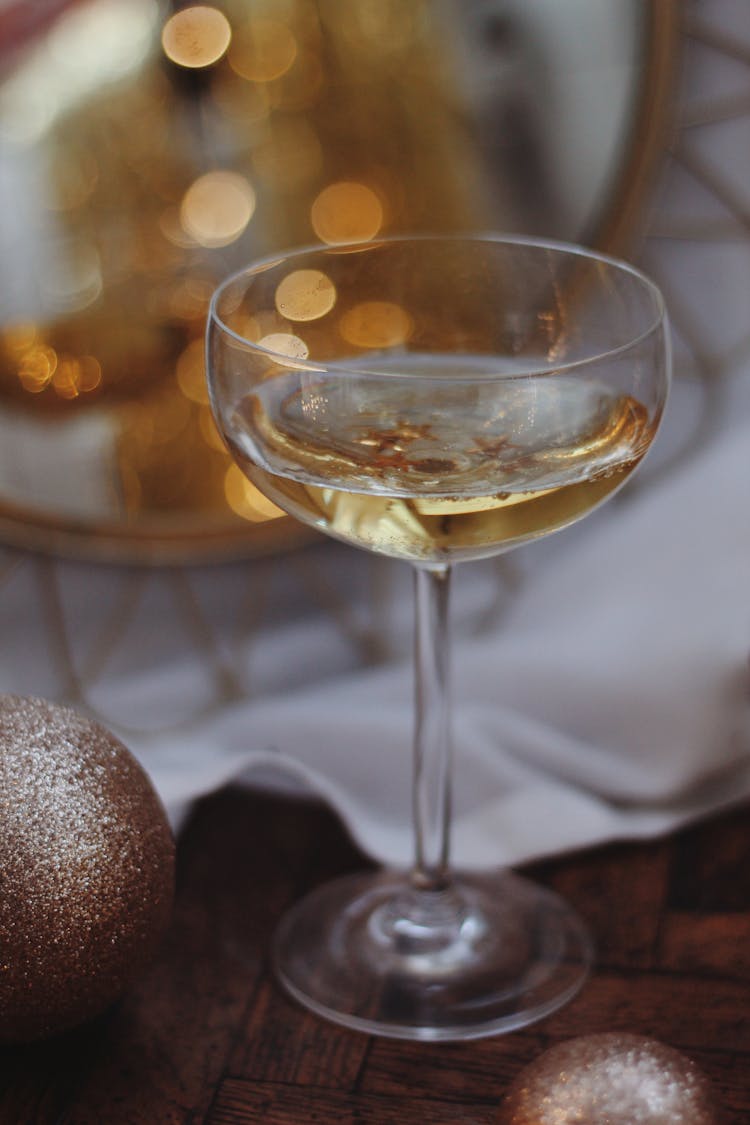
(86, 869)
(610, 1079)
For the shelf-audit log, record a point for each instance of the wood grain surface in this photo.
(207, 1037)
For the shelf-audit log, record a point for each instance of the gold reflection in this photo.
(346, 212)
(69, 376)
(89, 373)
(36, 369)
(305, 295)
(74, 375)
(216, 208)
(196, 37)
(19, 337)
(245, 500)
(262, 50)
(284, 343)
(66, 378)
(376, 324)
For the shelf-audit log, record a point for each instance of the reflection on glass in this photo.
(305, 295)
(284, 343)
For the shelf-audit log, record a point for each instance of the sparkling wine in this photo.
(415, 466)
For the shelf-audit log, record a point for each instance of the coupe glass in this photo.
(438, 400)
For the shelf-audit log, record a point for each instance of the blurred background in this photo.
(148, 148)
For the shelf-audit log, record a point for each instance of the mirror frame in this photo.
(623, 223)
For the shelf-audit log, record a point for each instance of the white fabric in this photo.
(611, 703)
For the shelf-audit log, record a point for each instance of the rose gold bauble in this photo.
(86, 868)
(612, 1078)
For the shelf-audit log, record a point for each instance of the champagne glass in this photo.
(438, 400)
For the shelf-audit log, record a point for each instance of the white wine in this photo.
(418, 466)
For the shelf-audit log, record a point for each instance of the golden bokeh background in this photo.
(153, 148)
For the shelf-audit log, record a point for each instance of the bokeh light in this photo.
(18, 338)
(209, 430)
(191, 372)
(245, 500)
(68, 375)
(346, 211)
(376, 324)
(73, 281)
(36, 368)
(66, 379)
(196, 37)
(305, 295)
(262, 50)
(217, 207)
(284, 343)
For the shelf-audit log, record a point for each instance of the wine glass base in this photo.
(489, 954)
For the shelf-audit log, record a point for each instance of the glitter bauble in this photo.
(614, 1078)
(86, 869)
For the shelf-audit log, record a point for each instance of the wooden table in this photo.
(208, 1037)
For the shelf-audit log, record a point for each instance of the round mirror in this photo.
(148, 150)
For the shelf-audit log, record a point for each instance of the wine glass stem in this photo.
(432, 731)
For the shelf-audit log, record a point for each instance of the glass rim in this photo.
(345, 367)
